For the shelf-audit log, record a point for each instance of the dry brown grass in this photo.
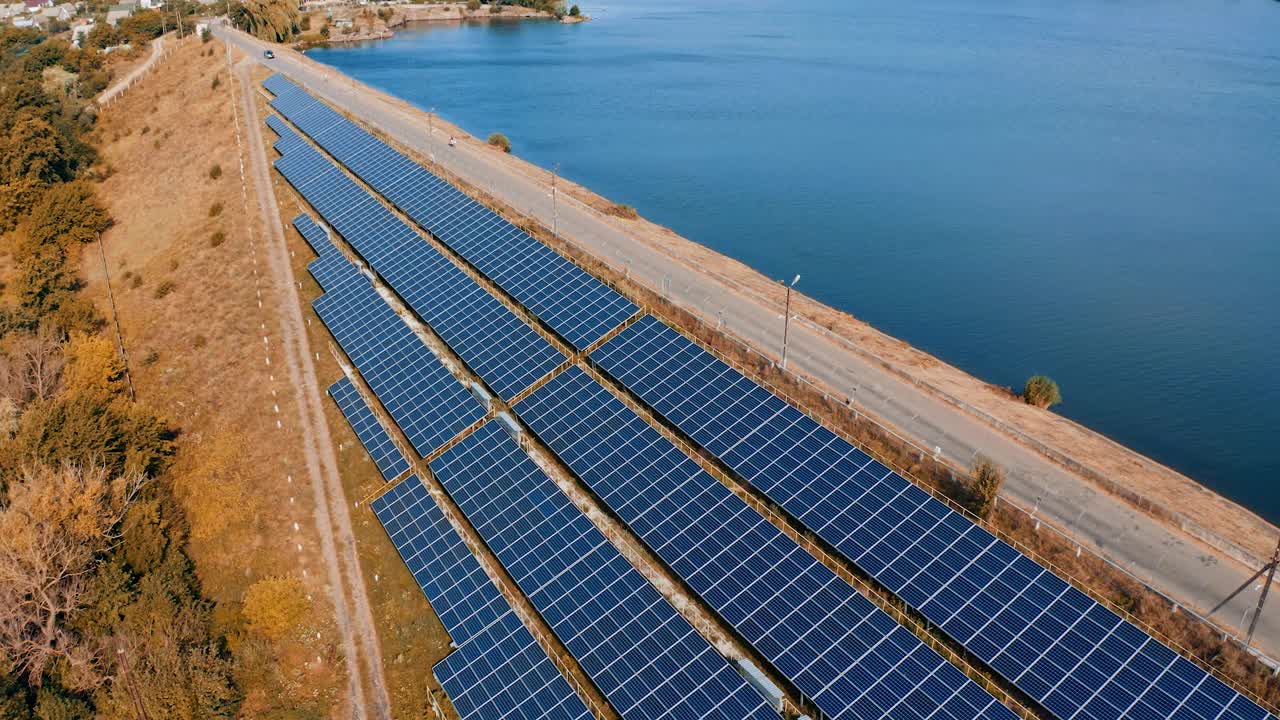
(210, 372)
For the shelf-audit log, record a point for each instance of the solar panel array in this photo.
(1072, 655)
(571, 301)
(372, 435)
(498, 670)
(315, 235)
(505, 352)
(420, 394)
(645, 658)
(841, 651)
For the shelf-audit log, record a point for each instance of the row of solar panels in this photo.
(841, 650)
(1068, 653)
(646, 659)
(573, 303)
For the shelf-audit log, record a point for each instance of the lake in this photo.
(1089, 190)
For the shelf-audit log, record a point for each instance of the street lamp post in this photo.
(786, 320)
(555, 214)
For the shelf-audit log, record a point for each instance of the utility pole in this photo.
(555, 215)
(115, 317)
(786, 320)
(1270, 571)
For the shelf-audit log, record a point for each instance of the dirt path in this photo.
(157, 51)
(333, 522)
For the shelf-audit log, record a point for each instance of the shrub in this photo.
(473, 5)
(623, 211)
(217, 238)
(574, 11)
(164, 288)
(984, 487)
(151, 358)
(135, 282)
(305, 23)
(217, 81)
(215, 172)
(1041, 391)
(201, 341)
(215, 209)
(206, 35)
(145, 129)
(500, 141)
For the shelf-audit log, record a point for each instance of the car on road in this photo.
(268, 55)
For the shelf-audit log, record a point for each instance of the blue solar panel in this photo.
(372, 435)
(576, 305)
(846, 655)
(315, 235)
(498, 670)
(289, 140)
(646, 659)
(505, 352)
(420, 394)
(1072, 655)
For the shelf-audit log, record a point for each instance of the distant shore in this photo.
(358, 24)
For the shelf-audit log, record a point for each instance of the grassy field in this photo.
(186, 283)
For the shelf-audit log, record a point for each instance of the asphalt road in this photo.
(1188, 571)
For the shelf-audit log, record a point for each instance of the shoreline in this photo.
(380, 28)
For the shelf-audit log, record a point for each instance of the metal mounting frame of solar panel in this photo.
(1070, 654)
(570, 300)
(506, 353)
(849, 657)
(375, 439)
(498, 670)
(420, 394)
(646, 659)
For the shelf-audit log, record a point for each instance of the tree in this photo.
(500, 141)
(1041, 391)
(276, 606)
(575, 12)
(272, 20)
(56, 523)
(984, 487)
(31, 150)
(32, 368)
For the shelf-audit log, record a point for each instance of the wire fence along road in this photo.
(1169, 561)
(157, 53)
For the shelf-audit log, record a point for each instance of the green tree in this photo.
(272, 20)
(575, 12)
(1041, 391)
(500, 141)
(31, 150)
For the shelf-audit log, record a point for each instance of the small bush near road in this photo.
(217, 238)
(215, 209)
(206, 35)
(623, 211)
(500, 141)
(217, 81)
(984, 486)
(1041, 391)
(215, 172)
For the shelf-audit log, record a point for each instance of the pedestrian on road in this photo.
(453, 142)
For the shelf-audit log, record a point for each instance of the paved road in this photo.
(1167, 559)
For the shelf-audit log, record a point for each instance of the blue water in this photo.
(1086, 189)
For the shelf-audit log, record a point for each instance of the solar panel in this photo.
(841, 651)
(315, 235)
(571, 301)
(505, 352)
(372, 435)
(498, 670)
(646, 659)
(420, 394)
(289, 140)
(1072, 655)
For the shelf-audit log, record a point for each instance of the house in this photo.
(80, 32)
(115, 16)
(36, 5)
(24, 21)
(151, 4)
(64, 12)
